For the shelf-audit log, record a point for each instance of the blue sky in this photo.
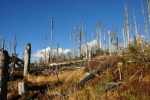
(30, 19)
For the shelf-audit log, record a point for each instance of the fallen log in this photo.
(102, 67)
(90, 76)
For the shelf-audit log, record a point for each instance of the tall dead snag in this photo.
(27, 59)
(3, 74)
(48, 61)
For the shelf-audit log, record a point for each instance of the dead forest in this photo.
(112, 71)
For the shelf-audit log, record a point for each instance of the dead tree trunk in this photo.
(102, 67)
(48, 60)
(3, 74)
(90, 76)
(27, 59)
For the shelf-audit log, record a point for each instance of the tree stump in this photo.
(27, 59)
(3, 74)
(22, 87)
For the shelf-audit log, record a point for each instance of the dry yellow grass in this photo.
(37, 79)
(73, 76)
(84, 94)
(146, 78)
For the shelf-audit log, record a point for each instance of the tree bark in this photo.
(3, 74)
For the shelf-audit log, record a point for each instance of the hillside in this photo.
(117, 76)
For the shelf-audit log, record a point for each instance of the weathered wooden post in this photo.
(3, 74)
(27, 59)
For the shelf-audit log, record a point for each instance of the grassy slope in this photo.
(135, 75)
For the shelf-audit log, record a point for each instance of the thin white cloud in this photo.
(41, 53)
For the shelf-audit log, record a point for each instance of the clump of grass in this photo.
(86, 93)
